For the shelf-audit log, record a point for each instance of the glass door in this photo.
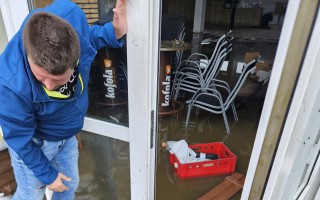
(128, 119)
(117, 141)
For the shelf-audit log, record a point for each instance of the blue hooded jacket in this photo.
(26, 111)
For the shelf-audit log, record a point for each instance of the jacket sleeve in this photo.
(18, 123)
(104, 36)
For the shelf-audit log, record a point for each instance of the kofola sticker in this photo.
(166, 85)
(108, 76)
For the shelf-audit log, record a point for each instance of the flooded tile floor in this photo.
(207, 127)
(104, 162)
(104, 167)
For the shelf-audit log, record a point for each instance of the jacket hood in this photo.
(17, 56)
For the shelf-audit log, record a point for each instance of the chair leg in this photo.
(173, 90)
(235, 115)
(176, 92)
(177, 89)
(226, 121)
(188, 115)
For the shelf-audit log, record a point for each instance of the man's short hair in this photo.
(51, 43)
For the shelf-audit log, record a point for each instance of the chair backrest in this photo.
(249, 68)
(217, 47)
(178, 57)
(226, 43)
(218, 51)
(222, 42)
(214, 70)
(171, 26)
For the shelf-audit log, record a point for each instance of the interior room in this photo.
(256, 27)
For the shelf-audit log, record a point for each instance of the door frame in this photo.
(277, 70)
(298, 149)
(293, 26)
(13, 15)
(142, 63)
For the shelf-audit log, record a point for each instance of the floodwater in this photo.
(206, 127)
(104, 166)
(104, 163)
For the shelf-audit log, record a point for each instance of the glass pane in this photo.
(104, 168)
(253, 31)
(108, 99)
(3, 35)
(108, 87)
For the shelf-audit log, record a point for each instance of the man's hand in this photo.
(57, 185)
(120, 18)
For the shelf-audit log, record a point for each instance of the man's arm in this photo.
(18, 130)
(18, 126)
(120, 18)
(110, 34)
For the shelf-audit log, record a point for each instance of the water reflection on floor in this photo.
(205, 128)
(104, 166)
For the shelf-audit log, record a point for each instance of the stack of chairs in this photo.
(194, 74)
(210, 98)
(176, 59)
(173, 28)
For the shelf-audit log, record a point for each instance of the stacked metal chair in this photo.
(173, 28)
(176, 59)
(210, 98)
(192, 75)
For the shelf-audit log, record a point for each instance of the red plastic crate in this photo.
(224, 165)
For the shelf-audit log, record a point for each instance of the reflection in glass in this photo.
(108, 99)
(205, 127)
(108, 86)
(108, 77)
(104, 168)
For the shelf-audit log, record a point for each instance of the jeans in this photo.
(63, 156)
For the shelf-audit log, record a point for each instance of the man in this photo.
(44, 96)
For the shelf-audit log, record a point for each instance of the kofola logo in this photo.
(166, 84)
(108, 76)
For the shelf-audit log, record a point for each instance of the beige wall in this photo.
(90, 7)
(41, 3)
